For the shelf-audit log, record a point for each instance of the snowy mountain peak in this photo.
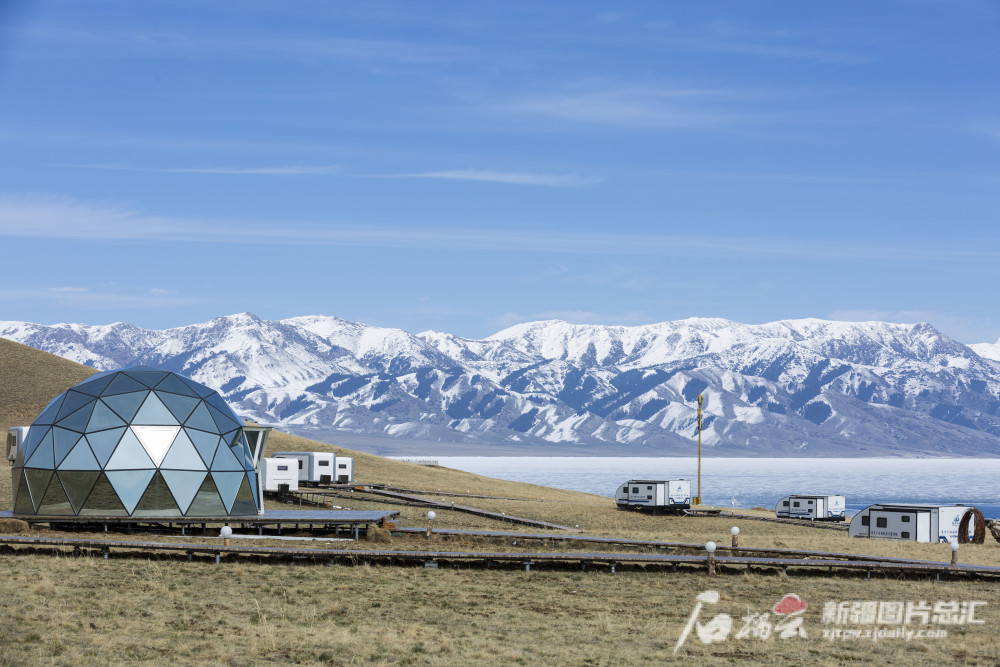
(845, 388)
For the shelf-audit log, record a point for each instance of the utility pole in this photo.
(697, 501)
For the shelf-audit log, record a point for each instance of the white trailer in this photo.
(812, 508)
(315, 468)
(16, 435)
(279, 475)
(655, 495)
(345, 470)
(918, 522)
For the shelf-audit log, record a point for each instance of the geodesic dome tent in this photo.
(136, 442)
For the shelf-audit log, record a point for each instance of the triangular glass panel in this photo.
(157, 500)
(184, 484)
(22, 498)
(77, 485)
(79, 419)
(95, 384)
(103, 443)
(103, 417)
(233, 438)
(55, 502)
(123, 384)
(19, 459)
(42, 456)
(62, 442)
(103, 501)
(180, 406)
(245, 504)
(220, 404)
(80, 458)
(226, 460)
(156, 440)
(129, 485)
(183, 455)
(126, 405)
(252, 476)
(154, 412)
(35, 435)
(130, 455)
(228, 484)
(37, 480)
(206, 443)
(148, 378)
(241, 455)
(201, 419)
(49, 413)
(207, 502)
(197, 387)
(174, 385)
(73, 401)
(16, 475)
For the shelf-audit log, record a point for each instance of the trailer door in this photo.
(923, 522)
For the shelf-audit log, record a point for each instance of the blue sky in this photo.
(465, 166)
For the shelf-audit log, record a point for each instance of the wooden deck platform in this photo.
(314, 520)
(432, 558)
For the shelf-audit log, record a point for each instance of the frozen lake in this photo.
(762, 482)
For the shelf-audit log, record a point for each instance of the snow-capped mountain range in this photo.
(796, 387)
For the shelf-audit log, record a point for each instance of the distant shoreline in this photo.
(386, 446)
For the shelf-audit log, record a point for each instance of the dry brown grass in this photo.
(68, 610)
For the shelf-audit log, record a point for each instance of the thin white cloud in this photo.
(481, 175)
(118, 40)
(292, 170)
(83, 297)
(516, 178)
(645, 107)
(63, 219)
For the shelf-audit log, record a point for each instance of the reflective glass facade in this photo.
(136, 442)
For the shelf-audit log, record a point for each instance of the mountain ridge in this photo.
(792, 387)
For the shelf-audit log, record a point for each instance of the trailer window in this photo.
(810, 502)
(865, 521)
(300, 464)
(784, 503)
(906, 519)
(624, 489)
(649, 497)
(324, 463)
(881, 522)
(795, 504)
(649, 488)
(905, 535)
(282, 467)
(635, 489)
(342, 466)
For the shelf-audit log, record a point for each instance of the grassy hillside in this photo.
(29, 379)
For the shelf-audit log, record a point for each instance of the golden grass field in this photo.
(60, 609)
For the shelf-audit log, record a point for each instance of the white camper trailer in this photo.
(345, 470)
(918, 522)
(16, 435)
(813, 508)
(279, 475)
(654, 495)
(315, 468)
